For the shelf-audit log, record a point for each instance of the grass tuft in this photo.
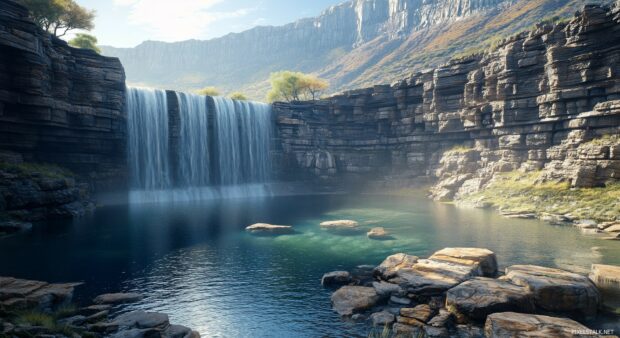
(46, 170)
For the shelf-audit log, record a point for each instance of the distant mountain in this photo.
(357, 43)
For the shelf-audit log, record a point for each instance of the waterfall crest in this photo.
(223, 153)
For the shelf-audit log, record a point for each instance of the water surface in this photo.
(195, 261)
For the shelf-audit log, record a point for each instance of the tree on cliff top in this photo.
(59, 16)
(208, 91)
(85, 41)
(295, 86)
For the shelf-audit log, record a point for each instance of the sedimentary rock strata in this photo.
(536, 103)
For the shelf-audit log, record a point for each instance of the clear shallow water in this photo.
(195, 261)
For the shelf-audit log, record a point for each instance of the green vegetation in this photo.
(523, 192)
(604, 140)
(45, 320)
(59, 16)
(45, 170)
(238, 96)
(85, 41)
(295, 86)
(208, 91)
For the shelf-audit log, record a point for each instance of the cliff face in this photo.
(547, 100)
(59, 104)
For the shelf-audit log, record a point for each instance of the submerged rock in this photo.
(557, 290)
(117, 298)
(388, 268)
(336, 278)
(378, 233)
(479, 297)
(512, 324)
(350, 299)
(341, 224)
(264, 228)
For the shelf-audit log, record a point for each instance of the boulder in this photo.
(385, 289)
(20, 294)
(350, 299)
(378, 233)
(141, 320)
(469, 256)
(400, 300)
(557, 290)
(336, 278)
(429, 277)
(388, 268)
(341, 224)
(264, 228)
(422, 312)
(443, 319)
(479, 297)
(382, 318)
(512, 324)
(404, 330)
(117, 298)
(607, 279)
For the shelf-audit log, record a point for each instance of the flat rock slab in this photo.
(336, 278)
(22, 294)
(264, 228)
(557, 290)
(484, 258)
(117, 298)
(422, 312)
(385, 289)
(479, 297)
(141, 320)
(341, 224)
(350, 299)
(430, 277)
(388, 268)
(605, 276)
(512, 324)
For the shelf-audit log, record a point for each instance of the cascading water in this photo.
(243, 136)
(194, 141)
(147, 128)
(233, 162)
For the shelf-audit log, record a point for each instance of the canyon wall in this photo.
(59, 104)
(545, 100)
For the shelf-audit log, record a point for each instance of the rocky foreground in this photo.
(39, 309)
(458, 292)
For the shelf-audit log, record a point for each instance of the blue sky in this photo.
(126, 23)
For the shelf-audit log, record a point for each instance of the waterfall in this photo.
(194, 141)
(224, 153)
(243, 131)
(147, 128)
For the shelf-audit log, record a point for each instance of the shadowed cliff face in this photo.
(354, 44)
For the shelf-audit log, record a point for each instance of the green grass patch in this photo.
(45, 170)
(520, 192)
(49, 321)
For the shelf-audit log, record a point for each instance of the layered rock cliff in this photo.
(59, 104)
(547, 100)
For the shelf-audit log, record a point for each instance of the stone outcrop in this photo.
(263, 228)
(536, 102)
(446, 296)
(51, 303)
(60, 104)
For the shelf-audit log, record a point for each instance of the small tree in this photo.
(85, 41)
(295, 86)
(59, 16)
(314, 85)
(208, 91)
(238, 96)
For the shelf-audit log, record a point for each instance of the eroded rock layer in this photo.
(544, 100)
(59, 104)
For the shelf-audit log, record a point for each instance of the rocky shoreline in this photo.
(459, 292)
(39, 309)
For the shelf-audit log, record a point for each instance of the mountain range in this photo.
(354, 44)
